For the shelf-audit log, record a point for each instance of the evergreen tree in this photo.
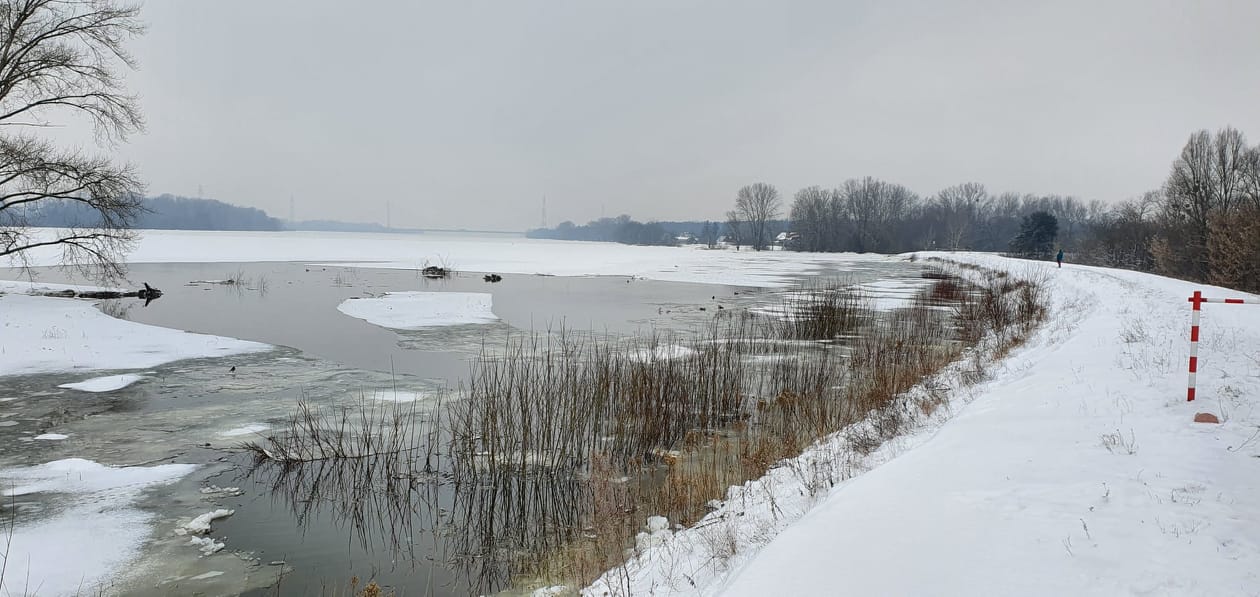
(1036, 235)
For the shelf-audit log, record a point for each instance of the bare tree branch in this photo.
(61, 59)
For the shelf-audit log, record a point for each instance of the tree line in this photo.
(164, 212)
(1202, 224)
(621, 229)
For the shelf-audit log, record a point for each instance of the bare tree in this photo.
(809, 217)
(959, 208)
(735, 229)
(709, 234)
(875, 208)
(1251, 177)
(1209, 178)
(60, 59)
(757, 204)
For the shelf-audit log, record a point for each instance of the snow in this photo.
(656, 524)
(222, 491)
(201, 524)
(33, 287)
(85, 541)
(206, 545)
(893, 293)
(503, 254)
(400, 396)
(418, 310)
(1073, 469)
(51, 436)
(104, 384)
(250, 429)
(664, 352)
(42, 335)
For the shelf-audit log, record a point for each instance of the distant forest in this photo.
(626, 230)
(1203, 223)
(164, 212)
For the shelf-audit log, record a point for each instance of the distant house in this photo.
(787, 240)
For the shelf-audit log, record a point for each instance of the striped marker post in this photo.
(1198, 299)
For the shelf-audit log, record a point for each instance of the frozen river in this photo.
(285, 293)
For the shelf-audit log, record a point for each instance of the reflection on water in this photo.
(413, 534)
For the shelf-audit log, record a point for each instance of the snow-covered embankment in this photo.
(1074, 468)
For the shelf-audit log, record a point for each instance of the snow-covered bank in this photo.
(34, 287)
(1074, 469)
(490, 253)
(41, 334)
(418, 310)
(84, 542)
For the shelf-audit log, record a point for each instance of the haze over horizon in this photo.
(467, 115)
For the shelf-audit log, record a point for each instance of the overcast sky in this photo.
(466, 114)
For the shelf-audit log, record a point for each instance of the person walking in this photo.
(1059, 258)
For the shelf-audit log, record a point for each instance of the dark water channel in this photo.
(327, 526)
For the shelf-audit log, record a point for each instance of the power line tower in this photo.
(544, 212)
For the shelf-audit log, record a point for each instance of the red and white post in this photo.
(1198, 299)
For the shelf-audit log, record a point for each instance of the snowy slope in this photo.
(1076, 469)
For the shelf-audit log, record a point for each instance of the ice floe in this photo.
(418, 310)
(44, 335)
(104, 384)
(245, 430)
(96, 530)
(201, 524)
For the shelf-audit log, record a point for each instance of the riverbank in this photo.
(1075, 467)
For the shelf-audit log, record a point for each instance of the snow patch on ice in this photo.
(63, 554)
(250, 429)
(665, 352)
(893, 293)
(201, 524)
(44, 335)
(206, 545)
(400, 396)
(222, 491)
(418, 310)
(104, 384)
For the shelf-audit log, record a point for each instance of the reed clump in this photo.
(329, 431)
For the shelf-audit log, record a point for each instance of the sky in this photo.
(469, 114)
